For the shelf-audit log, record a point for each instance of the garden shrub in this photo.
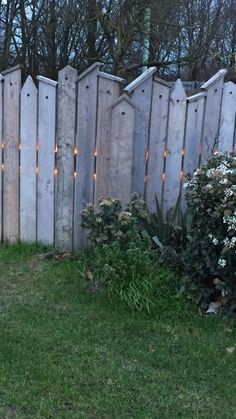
(210, 256)
(108, 222)
(131, 274)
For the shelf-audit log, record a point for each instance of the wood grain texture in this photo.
(122, 128)
(28, 139)
(228, 118)
(108, 92)
(141, 94)
(46, 160)
(65, 140)
(11, 129)
(210, 138)
(157, 142)
(87, 97)
(193, 134)
(175, 141)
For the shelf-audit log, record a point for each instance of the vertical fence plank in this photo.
(175, 139)
(65, 140)
(141, 91)
(85, 146)
(157, 142)
(108, 92)
(28, 138)
(228, 118)
(46, 159)
(122, 127)
(11, 129)
(213, 88)
(1, 143)
(193, 133)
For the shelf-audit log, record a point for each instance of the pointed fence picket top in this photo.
(66, 118)
(87, 98)
(228, 118)
(46, 159)
(157, 142)
(28, 139)
(11, 130)
(108, 92)
(1, 144)
(210, 137)
(175, 141)
(140, 91)
(122, 128)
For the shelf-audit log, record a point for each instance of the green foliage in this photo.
(210, 256)
(109, 223)
(129, 273)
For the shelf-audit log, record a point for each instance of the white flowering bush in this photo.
(210, 258)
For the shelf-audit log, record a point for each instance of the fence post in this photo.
(228, 118)
(46, 160)
(122, 127)
(28, 138)
(85, 146)
(108, 92)
(65, 142)
(210, 138)
(175, 141)
(11, 130)
(141, 94)
(157, 142)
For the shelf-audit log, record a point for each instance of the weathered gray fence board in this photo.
(193, 134)
(65, 140)
(46, 160)
(141, 93)
(85, 145)
(213, 88)
(1, 144)
(157, 142)
(11, 129)
(122, 128)
(228, 118)
(175, 141)
(28, 139)
(108, 92)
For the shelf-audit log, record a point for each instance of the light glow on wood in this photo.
(75, 151)
(55, 172)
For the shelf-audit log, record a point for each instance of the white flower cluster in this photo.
(222, 262)
(214, 240)
(230, 220)
(230, 243)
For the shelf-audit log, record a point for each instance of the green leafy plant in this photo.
(210, 255)
(130, 273)
(108, 222)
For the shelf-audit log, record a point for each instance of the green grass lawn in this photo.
(69, 352)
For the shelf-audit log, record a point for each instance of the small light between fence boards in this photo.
(183, 152)
(147, 155)
(2, 167)
(164, 177)
(94, 176)
(75, 151)
(55, 172)
(165, 153)
(2, 145)
(56, 148)
(145, 179)
(19, 146)
(75, 174)
(181, 174)
(95, 152)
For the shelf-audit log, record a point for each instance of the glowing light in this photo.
(94, 176)
(183, 152)
(164, 177)
(181, 174)
(75, 151)
(55, 172)
(75, 174)
(165, 153)
(147, 155)
(3, 146)
(56, 148)
(95, 152)
(2, 166)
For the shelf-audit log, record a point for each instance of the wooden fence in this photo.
(65, 144)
